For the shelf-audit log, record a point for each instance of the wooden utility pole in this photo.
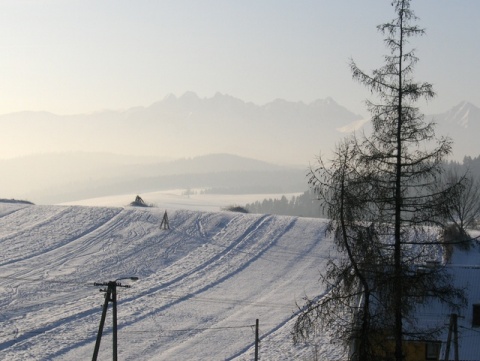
(257, 339)
(452, 328)
(455, 336)
(114, 318)
(110, 296)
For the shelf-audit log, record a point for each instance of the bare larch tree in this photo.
(386, 209)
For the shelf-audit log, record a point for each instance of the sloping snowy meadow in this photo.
(202, 283)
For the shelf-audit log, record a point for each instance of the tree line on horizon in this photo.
(309, 205)
(303, 205)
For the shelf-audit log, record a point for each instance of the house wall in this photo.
(414, 350)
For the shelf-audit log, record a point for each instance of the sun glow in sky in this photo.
(80, 56)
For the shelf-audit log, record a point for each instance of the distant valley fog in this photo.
(60, 178)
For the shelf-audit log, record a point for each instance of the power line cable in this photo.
(131, 332)
(190, 297)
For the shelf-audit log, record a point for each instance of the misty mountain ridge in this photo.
(191, 104)
(464, 115)
(462, 124)
(280, 132)
(191, 142)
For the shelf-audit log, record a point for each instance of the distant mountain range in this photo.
(91, 154)
(280, 132)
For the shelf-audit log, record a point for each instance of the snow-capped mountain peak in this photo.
(464, 114)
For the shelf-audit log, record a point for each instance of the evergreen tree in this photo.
(382, 196)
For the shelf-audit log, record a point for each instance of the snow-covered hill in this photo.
(202, 284)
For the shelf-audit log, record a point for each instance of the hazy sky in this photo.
(80, 56)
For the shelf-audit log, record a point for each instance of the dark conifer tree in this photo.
(382, 196)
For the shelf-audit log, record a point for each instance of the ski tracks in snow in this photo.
(206, 271)
(56, 227)
(241, 241)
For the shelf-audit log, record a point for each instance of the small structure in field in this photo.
(139, 202)
(165, 224)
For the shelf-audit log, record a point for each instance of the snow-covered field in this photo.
(202, 284)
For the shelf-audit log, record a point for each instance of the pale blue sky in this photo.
(80, 56)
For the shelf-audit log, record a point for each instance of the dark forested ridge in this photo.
(472, 165)
(308, 205)
(304, 205)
